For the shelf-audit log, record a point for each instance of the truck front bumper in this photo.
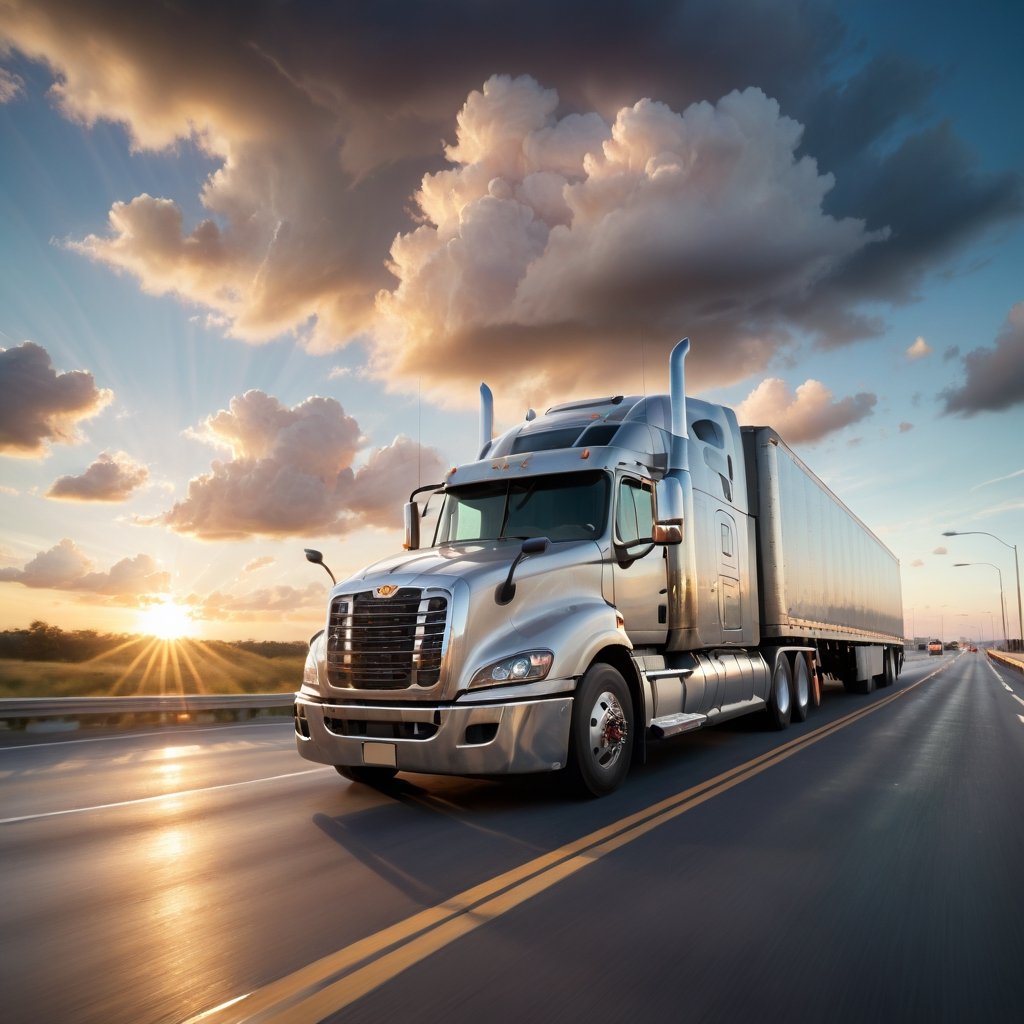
(515, 737)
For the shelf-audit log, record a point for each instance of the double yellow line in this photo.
(338, 980)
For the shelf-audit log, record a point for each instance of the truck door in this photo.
(639, 569)
(730, 607)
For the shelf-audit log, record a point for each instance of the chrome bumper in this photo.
(482, 739)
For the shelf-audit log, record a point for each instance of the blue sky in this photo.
(401, 200)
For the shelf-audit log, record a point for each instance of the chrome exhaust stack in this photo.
(679, 458)
(486, 418)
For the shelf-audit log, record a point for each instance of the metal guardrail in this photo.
(170, 704)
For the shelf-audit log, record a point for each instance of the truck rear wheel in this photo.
(368, 775)
(601, 735)
(780, 700)
(802, 692)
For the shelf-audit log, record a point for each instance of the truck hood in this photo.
(470, 562)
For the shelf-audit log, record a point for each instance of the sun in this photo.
(166, 621)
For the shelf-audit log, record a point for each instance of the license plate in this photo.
(383, 754)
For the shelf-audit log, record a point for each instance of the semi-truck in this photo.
(609, 574)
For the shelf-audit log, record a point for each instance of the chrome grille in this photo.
(386, 643)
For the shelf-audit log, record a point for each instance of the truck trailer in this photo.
(609, 574)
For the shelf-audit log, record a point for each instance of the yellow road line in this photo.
(339, 979)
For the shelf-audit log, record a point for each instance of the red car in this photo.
(934, 646)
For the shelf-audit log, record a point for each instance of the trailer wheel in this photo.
(780, 702)
(368, 775)
(802, 692)
(601, 735)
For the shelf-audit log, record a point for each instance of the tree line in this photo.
(44, 642)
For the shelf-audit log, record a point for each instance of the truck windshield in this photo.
(568, 507)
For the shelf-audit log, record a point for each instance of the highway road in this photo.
(866, 865)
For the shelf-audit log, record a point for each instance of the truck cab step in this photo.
(671, 725)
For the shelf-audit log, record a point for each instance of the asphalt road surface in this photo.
(866, 865)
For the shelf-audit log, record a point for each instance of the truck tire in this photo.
(368, 775)
(601, 733)
(803, 692)
(780, 700)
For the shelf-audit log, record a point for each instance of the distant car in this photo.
(934, 646)
(974, 650)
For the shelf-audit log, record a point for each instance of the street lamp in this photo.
(1002, 600)
(1016, 565)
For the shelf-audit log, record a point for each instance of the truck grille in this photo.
(386, 643)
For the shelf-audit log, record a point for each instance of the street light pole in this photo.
(1002, 599)
(1016, 566)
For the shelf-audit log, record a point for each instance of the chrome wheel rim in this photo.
(608, 731)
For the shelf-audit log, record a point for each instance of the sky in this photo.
(256, 259)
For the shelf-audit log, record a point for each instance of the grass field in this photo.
(145, 665)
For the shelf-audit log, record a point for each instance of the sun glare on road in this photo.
(166, 621)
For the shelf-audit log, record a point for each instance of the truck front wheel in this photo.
(601, 736)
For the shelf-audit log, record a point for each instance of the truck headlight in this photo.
(520, 668)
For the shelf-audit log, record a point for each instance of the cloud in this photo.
(994, 376)
(553, 237)
(66, 567)
(919, 349)
(112, 477)
(41, 406)
(290, 473)
(917, 563)
(906, 427)
(806, 416)
(11, 86)
(999, 479)
(605, 186)
(941, 551)
(259, 563)
(271, 602)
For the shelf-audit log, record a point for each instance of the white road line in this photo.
(1006, 686)
(152, 799)
(139, 735)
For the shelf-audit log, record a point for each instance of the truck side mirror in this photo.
(314, 556)
(531, 546)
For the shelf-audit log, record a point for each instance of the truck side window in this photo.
(634, 513)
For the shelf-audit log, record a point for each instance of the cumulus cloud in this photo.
(941, 551)
(41, 406)
(556, 238)
(114, 476)
(320, 132)
(917, 563)
(919, 349)
(290, 473)
(810, 414)
(66, 567)
(993, 377)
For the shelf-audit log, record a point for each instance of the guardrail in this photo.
(175, 706)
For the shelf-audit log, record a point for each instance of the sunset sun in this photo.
(166, 621)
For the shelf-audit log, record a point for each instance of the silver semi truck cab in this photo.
(592, 583)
